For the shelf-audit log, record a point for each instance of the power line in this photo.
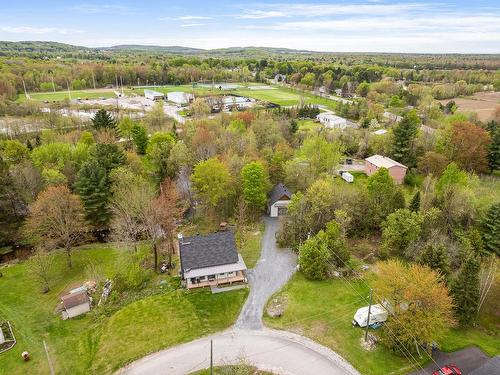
(393, 315)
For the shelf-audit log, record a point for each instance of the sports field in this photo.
(63, 95)
(275, 94)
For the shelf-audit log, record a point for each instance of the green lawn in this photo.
(323, 310)
(62, 95)
(160, 317)
(161, 321)
(249, 243)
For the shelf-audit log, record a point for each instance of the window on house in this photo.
(211, 277)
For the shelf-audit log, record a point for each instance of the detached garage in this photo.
(279, 199)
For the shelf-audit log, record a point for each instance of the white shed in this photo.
(279, 199)
(75, 304)
(179, 97)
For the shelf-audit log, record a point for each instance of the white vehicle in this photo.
(377, 315)
(347, 177)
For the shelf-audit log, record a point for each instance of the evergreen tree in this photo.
(103, 120)
(140, 138)
(405, 134)
(415, 202)
(465, 289)
(108, 155)
(494, 150)
(93, 187)
(436, 257)
(314, 258)
(491, 229)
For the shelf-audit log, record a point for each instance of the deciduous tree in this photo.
(255, 185)
(420, 307)
(56, 220)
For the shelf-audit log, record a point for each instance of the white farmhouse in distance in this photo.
(153, 95)
(179, 97)
(333, 121)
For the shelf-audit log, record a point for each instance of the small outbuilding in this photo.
(179, 97)
(74, 304)
(396, 170)
(154, 95)
(210, 260)
(332, 121)
(279, 199)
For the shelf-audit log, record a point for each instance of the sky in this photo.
(335, 26)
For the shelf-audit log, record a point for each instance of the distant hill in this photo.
(148, 48)
(40, 47)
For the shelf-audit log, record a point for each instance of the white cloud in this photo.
(186, 18)
(100, 8)
(324, 10)
(260, 14)
(192, 24)
(38, 30)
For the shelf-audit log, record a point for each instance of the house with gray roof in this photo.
(279, 199)
(210, 260)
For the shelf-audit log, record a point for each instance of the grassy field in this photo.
(323, 310)
(62, 95)
(98, 341)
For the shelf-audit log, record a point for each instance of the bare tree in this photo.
(41, 268)
(161, 217)
(56, 219)
(487, 278)
(131, 195)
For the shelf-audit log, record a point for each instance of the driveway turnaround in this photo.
(248, 340)
(277, 351)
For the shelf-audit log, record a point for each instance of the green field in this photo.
(105, 339)
(63, 95)
(323, 310)
(279, 95)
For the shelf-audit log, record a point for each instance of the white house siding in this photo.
(274, 211)
(78, 310)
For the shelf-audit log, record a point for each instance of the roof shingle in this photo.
(209, 250)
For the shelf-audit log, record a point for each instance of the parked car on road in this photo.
(448, 370)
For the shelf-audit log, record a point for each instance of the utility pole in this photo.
(51, 368)
(369, 311)
(211, 358)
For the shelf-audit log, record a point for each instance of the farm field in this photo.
(100, 342)
(483, 103)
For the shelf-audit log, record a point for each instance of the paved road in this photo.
(467, 360)
(272, 271)
(277, 351)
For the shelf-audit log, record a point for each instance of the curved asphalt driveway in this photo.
(277, 351)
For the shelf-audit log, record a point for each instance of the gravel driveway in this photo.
(272, 271)
(248, 340)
